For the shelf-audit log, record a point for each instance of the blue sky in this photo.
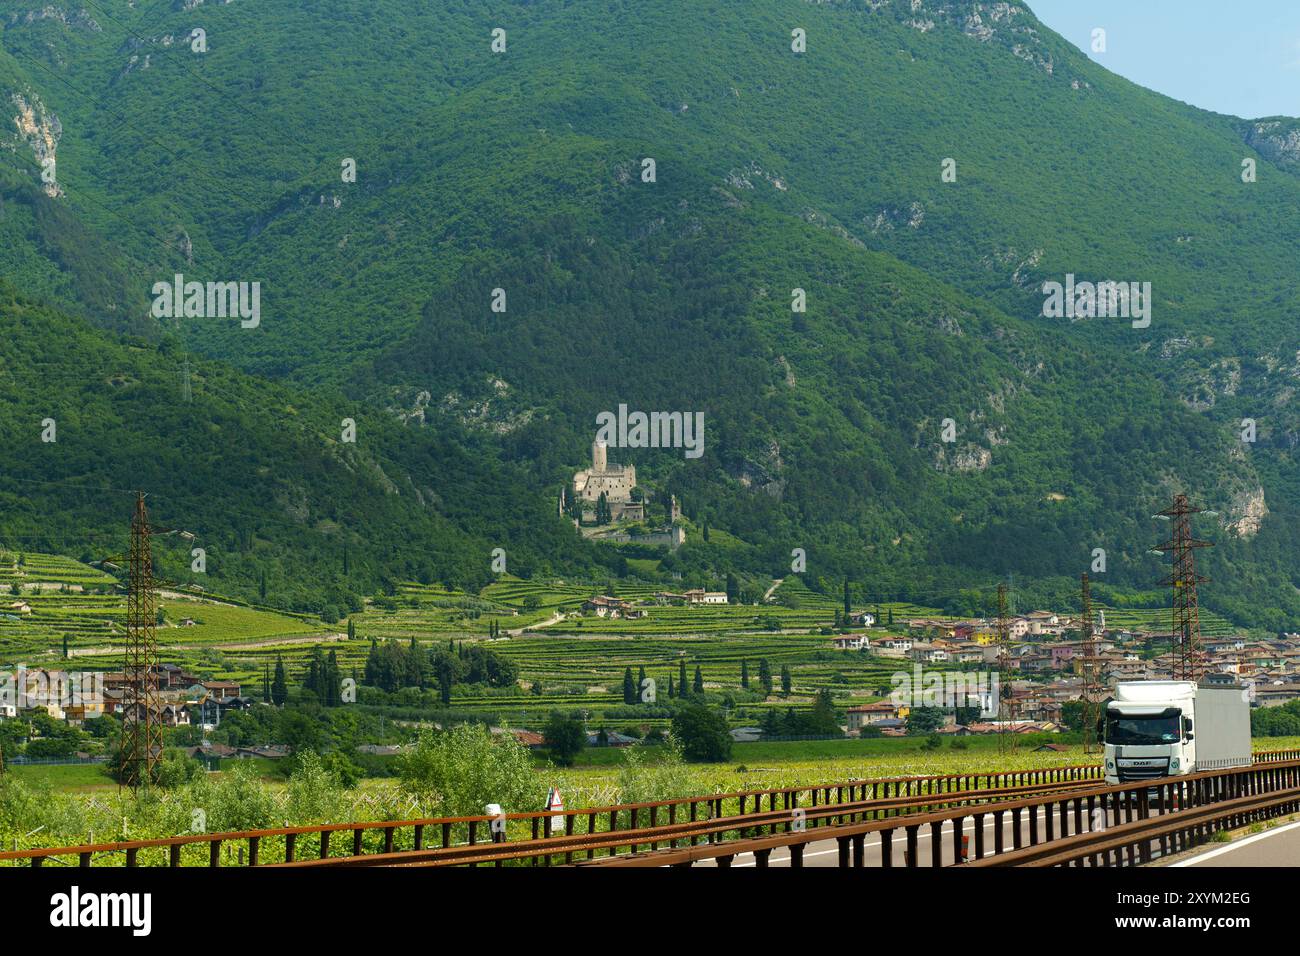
(1231, 56)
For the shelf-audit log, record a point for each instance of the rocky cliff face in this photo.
(1275, 140)
(1010, 25)
(76, 19)
(40, 130)
(1252, 509)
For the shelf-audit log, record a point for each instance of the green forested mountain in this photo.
(774, 170)
(258, 474)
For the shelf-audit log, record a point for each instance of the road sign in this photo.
(556, 803)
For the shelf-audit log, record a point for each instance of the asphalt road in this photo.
(1277, 847)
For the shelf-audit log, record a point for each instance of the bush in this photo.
(314, 794)
(654, 773)
(457, 772)
(703, 734)
(177, 768)
(565, 738)
(238, 800)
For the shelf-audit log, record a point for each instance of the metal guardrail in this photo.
(687, 820)
(711, 831)
(290, 844)
(1173, 832)
(1185, 810)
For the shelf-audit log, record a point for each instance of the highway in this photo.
(1279, 846)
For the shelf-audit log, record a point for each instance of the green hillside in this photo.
(523, 171)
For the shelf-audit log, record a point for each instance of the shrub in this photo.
(457, 772)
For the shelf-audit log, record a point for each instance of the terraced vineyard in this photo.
(576, 661)
(51, 571)
(587, 672)
(63, 603)
(1158, 619)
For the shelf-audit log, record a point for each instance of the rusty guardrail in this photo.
(1185, 809)
(387, 835)
(716, 821)
(711, 830)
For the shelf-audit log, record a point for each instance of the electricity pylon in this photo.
(141, 710)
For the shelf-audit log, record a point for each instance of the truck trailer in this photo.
(1165, 728)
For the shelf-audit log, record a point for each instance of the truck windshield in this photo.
(1155, 729)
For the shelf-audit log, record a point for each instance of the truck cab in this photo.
(1164, 728)
(1150, 730)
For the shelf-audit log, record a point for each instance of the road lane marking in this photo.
(1236, 845)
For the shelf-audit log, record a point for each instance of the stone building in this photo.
(614, 481)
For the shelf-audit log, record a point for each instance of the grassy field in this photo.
(70, 778)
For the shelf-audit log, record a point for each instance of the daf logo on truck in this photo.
(1160, 728)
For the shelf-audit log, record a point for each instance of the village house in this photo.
(974, 655)
(864, 714)
(1273, 695)
(222, 689)
(940, 629)
(612, 607)
(171, 677)
(851, 642)
(928, 653)
(701, 596)
(890, 727)
(1060, 654)
(903, 644)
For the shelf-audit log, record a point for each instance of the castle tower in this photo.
(598, 457)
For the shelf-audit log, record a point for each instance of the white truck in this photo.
(1164, 728)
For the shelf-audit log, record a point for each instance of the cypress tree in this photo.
(681, 677)
(312, 682)
(785, 680)
(279, 686)
(414, 665)
(744, 674)
(372, 663)
(847, 612)
(332, 692)
(698, 684)
(629, 691)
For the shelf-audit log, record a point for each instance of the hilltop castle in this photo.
(614, 481)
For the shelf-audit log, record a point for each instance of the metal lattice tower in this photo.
(141, 712)
(1089, 667)
(1186, 649)
(1004, 653)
